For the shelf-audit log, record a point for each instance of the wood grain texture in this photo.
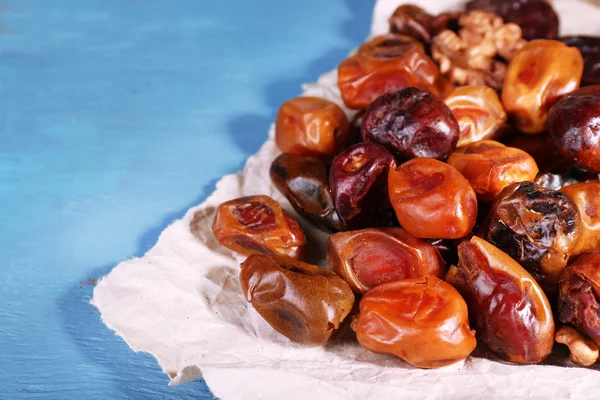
(116, 116)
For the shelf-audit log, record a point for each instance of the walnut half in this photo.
(583, 350)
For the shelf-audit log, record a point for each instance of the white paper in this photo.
(182, 303)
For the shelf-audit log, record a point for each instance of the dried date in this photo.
(586, 197)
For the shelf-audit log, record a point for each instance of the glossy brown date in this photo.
(490, 166)
(586, 197)
(358, 179)
(304, 181)
(301, 301)
(411, 123)
(537, 18)
(411, 20)
(424, 321)
(589, 46)
(367, 258)
(362, 77)
(537, 77)
(390, 45)
(311, 126)
(479, 113)
(536, 227)
(574, 125)
(432, 199)
(579, 294)
(258, 225)
(508, 309)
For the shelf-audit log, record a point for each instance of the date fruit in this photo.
(304, 181)
(311, 126)
(413, 21)
(561, 179)
(424, 321)
(479, 113)
(586, 197)
(574, 125)
(579, 294)
(370, 257)
(258, 225)
(358, 180)
(490, 166)
(390, 45)
(432, 199)
(301, 301)
(540, 74)
(364, 77)
(411, 123)
(508, 309)
(536, 227)
(589, 46)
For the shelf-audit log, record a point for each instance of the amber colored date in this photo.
(578, 295)
(508, 309)
(432, 199)
(358, 179)
(536, 227)
(537, 77)
(311, 126)
(301, 301)
(258, 225)
(363, 77)
(586, 197)
(304, 181)
(367, 258)
(490, 166)
(479, 113)
(424, 321)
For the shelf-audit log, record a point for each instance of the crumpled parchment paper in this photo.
(182, 303)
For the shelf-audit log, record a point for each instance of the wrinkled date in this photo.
(536, 227)
(411, 123)
(362, 77)
(574, 125)
(508, 309)
(390, 45)
(539, 75)
(413, 21)
(479, 113)
(258, 224)
(358, 181)
(370, 257)
(304, 181)
(432, 199)
(589, 46)
(537, 18)
(586, 197)
(301, 301)
(311, 126)
(578, 295)
(424, 321)
(490, 166)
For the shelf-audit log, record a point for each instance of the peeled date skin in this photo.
(536, 227)
(258, 225)
(301, 301)
(390, 45)
(574, 125)
(537, 18)
(369, 257)
(537, 77)
(478, 111)
(311, 126)
(304, 181)
(589, 46)
(432, 199)
(411, 123)
(507, 308)
(363, 77)
(586, 197)
(358, 182)
(411, 20)
(490, 166)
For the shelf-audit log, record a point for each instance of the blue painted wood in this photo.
(116, 116)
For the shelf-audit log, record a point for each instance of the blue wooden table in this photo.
(116, 116)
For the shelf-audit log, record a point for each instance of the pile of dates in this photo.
(456, 215)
